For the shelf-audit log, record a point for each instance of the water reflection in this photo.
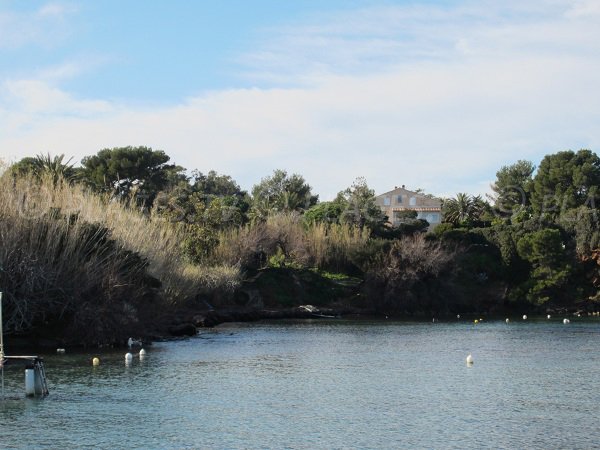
(326, 385)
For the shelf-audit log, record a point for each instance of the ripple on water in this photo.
(326, 385)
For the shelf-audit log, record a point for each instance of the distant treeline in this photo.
(107, 250)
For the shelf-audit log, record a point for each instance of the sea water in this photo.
(324, 384)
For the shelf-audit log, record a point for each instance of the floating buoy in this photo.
(476, 321)
(469, 359)
(142, 353)
(507, 320)
(128, 357)
(565, 321)
(96, 362)
(548, 316)
(60, 350)
(524, 316)
(458, 316)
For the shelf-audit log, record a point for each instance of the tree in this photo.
(326, 212)
(566, 180)
(45, 165)
(204, 209)
(281, 193)
(126, 170)
(463, 209)
(215, 184)
(407, 223)
(513, 186)
(545, 250)
(361, 209)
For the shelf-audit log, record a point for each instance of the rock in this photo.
(184, 329)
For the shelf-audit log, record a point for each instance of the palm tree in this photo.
(53, 166)
(462, 209)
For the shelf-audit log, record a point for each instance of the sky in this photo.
(436, 95)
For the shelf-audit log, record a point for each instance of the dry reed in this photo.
(48, 244)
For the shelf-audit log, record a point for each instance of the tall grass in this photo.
(285, 235)
(60, 245)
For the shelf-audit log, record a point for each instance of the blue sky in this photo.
(431, 94)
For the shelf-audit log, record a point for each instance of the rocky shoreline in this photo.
(189, 323)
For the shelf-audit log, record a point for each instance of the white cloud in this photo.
(428, 97)
(584, 8)
(38, 97)
(43, 27)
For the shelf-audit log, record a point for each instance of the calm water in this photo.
(319, 384)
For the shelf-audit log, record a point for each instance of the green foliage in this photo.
(361, 209)
(545, 250)
(119, 170)
(326, 212)
(215, 184)
(582, 223)
(542, 248)
(463, 210)
(281, 193)
(45, 165)
(566, 180)
(203, 209)
(513, 186)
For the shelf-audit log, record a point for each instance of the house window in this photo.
(399, 199)
(435, 218)
(387, 201)
(413, 201)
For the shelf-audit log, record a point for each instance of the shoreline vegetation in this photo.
(129, 245)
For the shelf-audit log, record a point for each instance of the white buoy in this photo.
(469, 359)
(548, 316)
(524, 316)
(96, 361)
(128, 357)
(507, 320)
(565, 321)
(458, 316)
(142, 353)
(60, 350)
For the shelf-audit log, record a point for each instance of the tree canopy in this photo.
(128, 163)
(566, 180)
(513, 186)
(463, 209)
(281, 192)
(54, 166)
(361, 209)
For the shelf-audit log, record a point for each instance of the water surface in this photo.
(325, 384)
